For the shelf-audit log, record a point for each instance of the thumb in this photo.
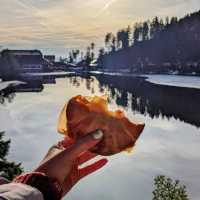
(85, 143)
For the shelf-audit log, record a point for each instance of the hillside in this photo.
(158, 47)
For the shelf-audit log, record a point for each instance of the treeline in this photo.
(157, 45)
(80, 58)
(141, 32)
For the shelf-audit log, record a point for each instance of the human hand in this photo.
(62, 161)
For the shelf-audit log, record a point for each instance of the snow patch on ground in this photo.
(5, 84)
(174, 80)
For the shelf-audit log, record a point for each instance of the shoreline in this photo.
(33, 82)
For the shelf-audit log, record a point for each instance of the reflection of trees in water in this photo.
(148, 98)
(156, 100)
(76, 81)
(7, 95)
(101, 88)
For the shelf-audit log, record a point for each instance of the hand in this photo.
(63, 163)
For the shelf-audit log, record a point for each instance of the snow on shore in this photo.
(174, 80)
(5, 84)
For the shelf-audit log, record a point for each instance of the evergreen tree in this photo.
(154, 27)
(167, 21)
(101, 57)
(166, 189)
(7, 169)
(108, 39)
(88, 57)
(174, 21)
(136, 33)
(7, 95)
(75, 54)
(92, 47)
(71, 58)
(123, 38)
(114, 46)
(165, 45)
(145, 31)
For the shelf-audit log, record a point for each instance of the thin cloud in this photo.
(25, 5)
(74, 24)
(107, 5)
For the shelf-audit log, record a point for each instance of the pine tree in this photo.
(136, 33)
(167, 189)
(113, 46)
(8, 169)
(101, 57)
(145, 31)
(108, 39)
(123, 38)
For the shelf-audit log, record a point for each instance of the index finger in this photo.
(85, 144)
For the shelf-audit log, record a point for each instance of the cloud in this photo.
(161, 149)
(105, 7)
(62, 24)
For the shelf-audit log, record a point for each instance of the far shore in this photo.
(62, 74)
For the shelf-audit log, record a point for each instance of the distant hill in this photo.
(157, 46)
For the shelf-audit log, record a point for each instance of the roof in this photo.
(21, 52)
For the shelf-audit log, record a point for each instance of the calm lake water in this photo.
(169, 145)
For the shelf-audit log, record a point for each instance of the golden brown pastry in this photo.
(83, 115)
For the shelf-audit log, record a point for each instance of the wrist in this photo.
(49, 187)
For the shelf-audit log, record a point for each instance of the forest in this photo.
(155, 46)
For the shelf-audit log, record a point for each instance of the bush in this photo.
(8, 169)
(167, 189)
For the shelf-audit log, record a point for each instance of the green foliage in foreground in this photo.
(167, 189)
(8, 169)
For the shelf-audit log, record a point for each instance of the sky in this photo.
(55, 26)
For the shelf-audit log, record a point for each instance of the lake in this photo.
(169, 145)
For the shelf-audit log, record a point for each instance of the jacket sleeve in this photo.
(18, 191)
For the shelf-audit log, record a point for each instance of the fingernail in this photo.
(98, 134)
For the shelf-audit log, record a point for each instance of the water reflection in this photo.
(30, 122)
(7, 95)
(147, 98)
(32, 84)
(129, 92)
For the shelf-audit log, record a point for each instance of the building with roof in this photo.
(22, 61)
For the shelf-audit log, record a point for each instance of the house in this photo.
(22, 61)
(1, 68)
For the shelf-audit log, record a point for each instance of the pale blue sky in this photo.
(55, 25)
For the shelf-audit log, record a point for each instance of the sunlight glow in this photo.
(107, 5)
(65, 24)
